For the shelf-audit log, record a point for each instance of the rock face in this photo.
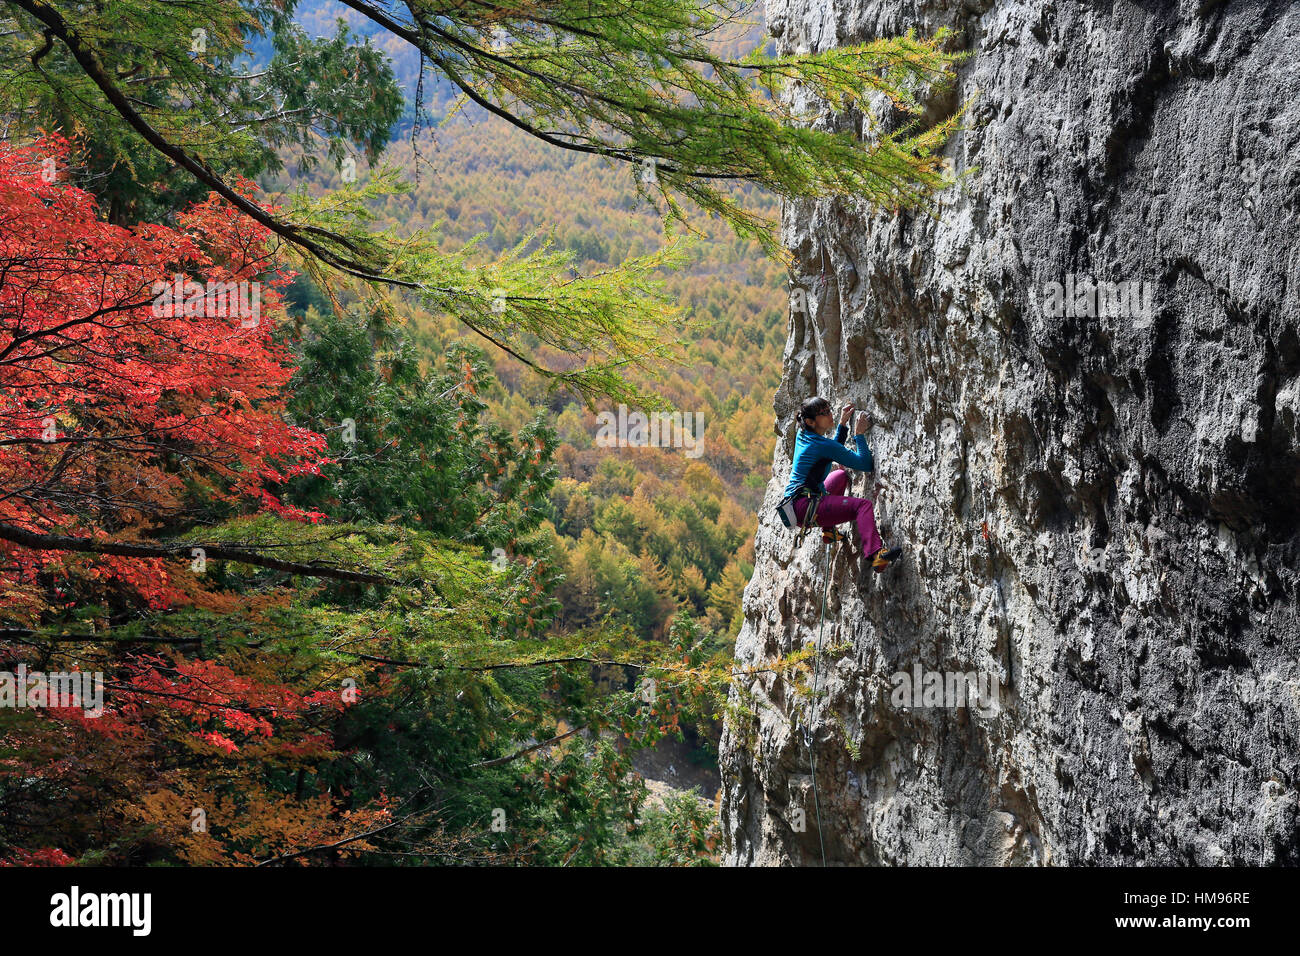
(1136, 462)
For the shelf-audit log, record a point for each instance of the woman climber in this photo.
(813, 455)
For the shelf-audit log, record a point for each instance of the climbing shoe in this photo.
(884, 558)
(842, 538)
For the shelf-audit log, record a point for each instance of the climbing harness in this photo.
(790, 518)
(785, 507)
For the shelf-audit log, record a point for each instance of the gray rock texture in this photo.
(1138, 470)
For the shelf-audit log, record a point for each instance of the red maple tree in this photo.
(115, 391)
(139, 374)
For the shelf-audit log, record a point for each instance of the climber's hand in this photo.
(846, 413)
(862, 424)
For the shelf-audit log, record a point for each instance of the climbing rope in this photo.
(812, 710)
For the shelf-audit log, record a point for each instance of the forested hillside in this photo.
(643, 531)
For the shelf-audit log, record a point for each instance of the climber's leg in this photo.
(871, 542)
(836, 509)
(836, 481)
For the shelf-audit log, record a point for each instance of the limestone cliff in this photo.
(1135, 460)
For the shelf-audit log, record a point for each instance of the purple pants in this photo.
(835, 508)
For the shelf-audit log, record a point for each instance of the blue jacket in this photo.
(814, 453)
